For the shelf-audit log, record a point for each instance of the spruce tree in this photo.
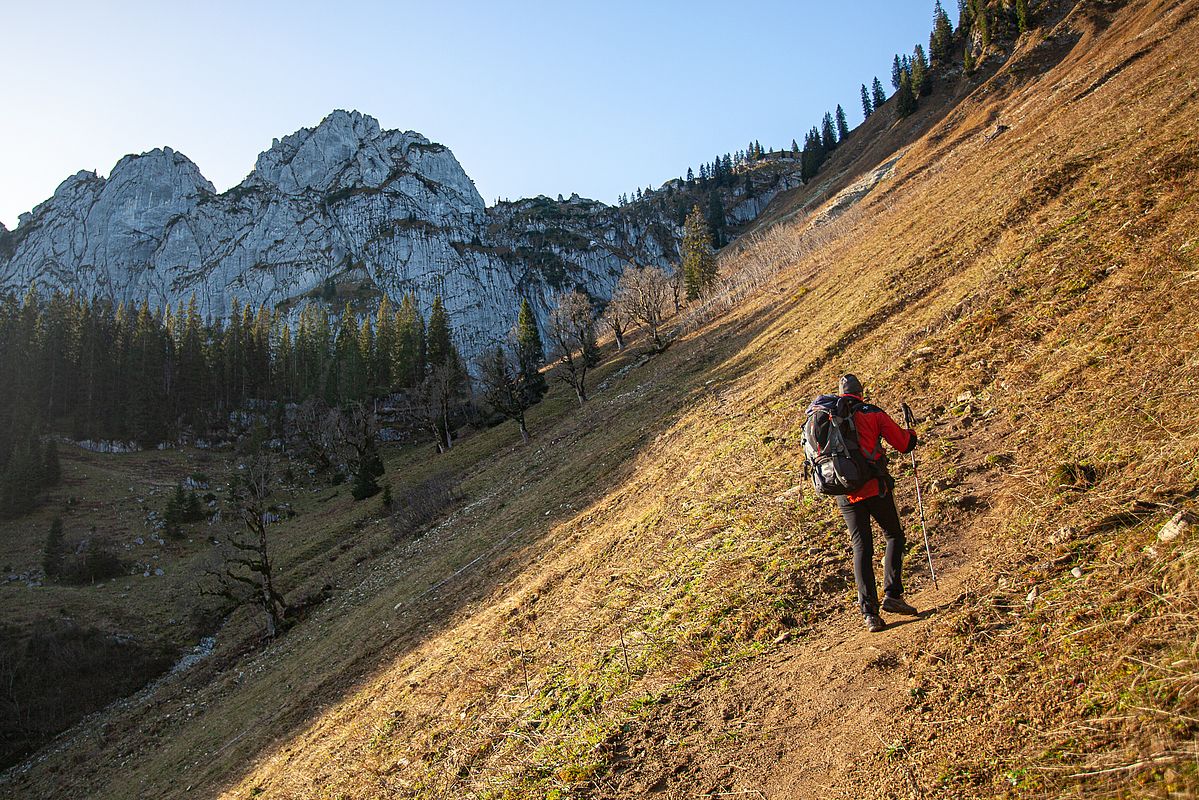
(941, 39)
(366, 347)
(982, 21)
(896, 72)
(441, 350)
(922, 78)
(53, 554)
(506, 390)
(842, 124)
(1021, 16)
(828, 134)
(794, 148)
(529, 352)
(699, 263)
(716, 219)
(349, 361)
(408, 359)
(383, 355)
(364, 485)
(905, 100)
(879, 96)
(867, 108)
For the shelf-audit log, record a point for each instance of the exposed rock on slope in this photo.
(344, 206)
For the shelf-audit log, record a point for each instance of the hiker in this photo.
(864, 489)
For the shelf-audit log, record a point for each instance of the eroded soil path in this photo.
(799, 722)
(814, 717)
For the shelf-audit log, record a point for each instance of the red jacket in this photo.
(873, 423)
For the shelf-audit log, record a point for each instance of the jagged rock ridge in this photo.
(344, 206)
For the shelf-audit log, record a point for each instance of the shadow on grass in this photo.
(516, 496)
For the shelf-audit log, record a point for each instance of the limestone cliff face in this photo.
(344, 206)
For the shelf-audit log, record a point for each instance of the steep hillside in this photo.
(647, 599)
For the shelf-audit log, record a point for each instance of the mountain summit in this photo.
(346, 211)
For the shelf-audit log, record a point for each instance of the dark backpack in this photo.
(832, 455)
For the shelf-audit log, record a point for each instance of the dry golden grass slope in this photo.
(644, 602)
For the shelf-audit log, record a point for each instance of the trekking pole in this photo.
(909, 419)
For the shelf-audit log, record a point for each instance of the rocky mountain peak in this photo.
(349, 150)
(344, 206)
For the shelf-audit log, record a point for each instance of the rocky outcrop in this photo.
(344, 211)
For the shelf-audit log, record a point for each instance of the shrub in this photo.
(421, 504)
(96, 563)
(59, 672)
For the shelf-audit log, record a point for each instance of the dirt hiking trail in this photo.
(814, 714)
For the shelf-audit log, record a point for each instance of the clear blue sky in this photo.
(532, 97)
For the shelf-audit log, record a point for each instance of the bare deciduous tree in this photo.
(676, 288)
(615, 317)
(436, 395)
(643, 291)
(246, 572)
(572, 333)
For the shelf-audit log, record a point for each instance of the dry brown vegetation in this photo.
(644, 599)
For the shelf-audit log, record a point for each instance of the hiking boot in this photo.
(896, 605)
(874, 623)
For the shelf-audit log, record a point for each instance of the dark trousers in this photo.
(857, 518)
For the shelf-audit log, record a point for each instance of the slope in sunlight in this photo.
(647, 598)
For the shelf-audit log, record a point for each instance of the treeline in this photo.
(979, 21)
(132, 373)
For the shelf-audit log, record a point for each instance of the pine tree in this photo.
(699, 263)
(794, 148)
(813, 155)
(506, 390)
(1021, 16)
(53, 554)
(441, 350)
(383, 356)
(348, 359)
(896, 72)
(716, 218)
(828, 134)
(409, 358)
(530, 353)
(867, 108)
(905, 100)
(982, 21)
(880, 96)
(21, 479)
(690, 176)
(842, 124)
(940, 41)
(364, 485)
(922, 79)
